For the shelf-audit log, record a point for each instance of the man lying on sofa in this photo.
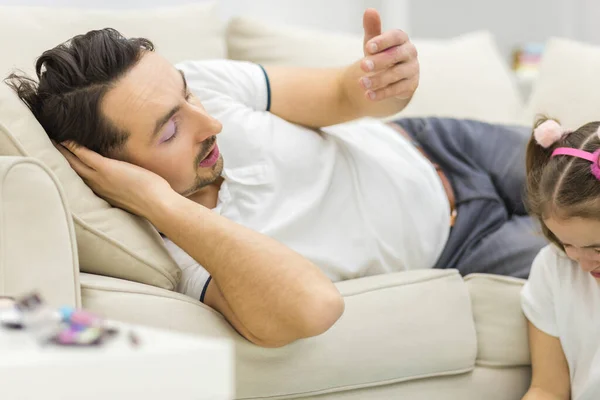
(262, 223)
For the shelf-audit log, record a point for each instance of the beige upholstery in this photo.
(480, 384)
(249, 39)
(389, 340)
(568, 84)
(37, 240)
(418, 335)
(405, 334)
(28, 31)
(498, 320)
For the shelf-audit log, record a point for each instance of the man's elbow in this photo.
(322, 314)
(316, 316)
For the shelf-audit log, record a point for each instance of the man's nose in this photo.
(207, 126)
(215, 126)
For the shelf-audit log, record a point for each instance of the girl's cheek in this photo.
(571, 254)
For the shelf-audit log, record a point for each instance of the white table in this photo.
(164, 365)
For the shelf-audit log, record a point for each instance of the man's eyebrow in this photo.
(185, 87)
(165, 118)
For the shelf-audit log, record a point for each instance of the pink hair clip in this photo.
(585, 155)
(548, 133)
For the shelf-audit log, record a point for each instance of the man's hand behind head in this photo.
(122, 184)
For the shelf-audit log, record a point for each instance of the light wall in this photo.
(513, 22)
(588, 12)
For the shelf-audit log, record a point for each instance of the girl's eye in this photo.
(188, 96)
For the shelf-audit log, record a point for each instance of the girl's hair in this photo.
(72, 80)
(564, 186)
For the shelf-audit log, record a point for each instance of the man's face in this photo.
(170, 133)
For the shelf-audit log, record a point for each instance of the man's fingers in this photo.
(87, 156)
(387, 58)
(389, 76)
(371, 26)
(400, 90)
(82, 170)
(395, 37)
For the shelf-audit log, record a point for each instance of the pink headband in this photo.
(586, 155)
(549, 132)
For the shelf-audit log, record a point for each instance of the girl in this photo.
(561, 300)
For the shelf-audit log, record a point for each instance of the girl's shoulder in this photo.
(550, 282)
(556, 269)
(553, 255)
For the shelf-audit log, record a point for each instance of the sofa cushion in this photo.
(566, 87)
(25, 32)
(148, 305)
(464, 77)
(396, 327)
(500, 324)
(110, 241)
(481, 384)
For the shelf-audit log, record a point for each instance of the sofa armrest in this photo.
(37, 241)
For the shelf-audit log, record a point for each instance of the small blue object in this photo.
(66, 312)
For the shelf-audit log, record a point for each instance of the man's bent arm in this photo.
(268, 292)
(318, 97)
(380, 84)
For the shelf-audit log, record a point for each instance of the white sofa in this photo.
(416, 335)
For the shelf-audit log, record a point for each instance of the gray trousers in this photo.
(486, 166)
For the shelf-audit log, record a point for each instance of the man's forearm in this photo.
(318, 97)
(313, 97)
(273, 291)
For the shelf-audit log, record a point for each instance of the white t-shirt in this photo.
(356, 199)
(563, 301)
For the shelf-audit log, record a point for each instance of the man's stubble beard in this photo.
(203, 181)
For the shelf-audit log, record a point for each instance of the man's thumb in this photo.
(371, 24)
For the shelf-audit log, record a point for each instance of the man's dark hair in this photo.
(73, 78)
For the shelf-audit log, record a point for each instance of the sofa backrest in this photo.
(192, 31)
(567, 85)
